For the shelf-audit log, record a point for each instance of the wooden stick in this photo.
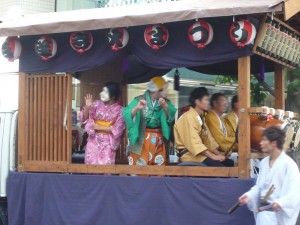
(270, 191)
(234, 207)
(263, 208)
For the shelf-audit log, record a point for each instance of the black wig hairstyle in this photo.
(197, 93)
(215, 97)
(113, 89)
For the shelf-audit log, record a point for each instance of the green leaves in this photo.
(258, 95)
(225, 80)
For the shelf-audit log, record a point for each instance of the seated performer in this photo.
(277, 185)
(148, 120)
(231, 118)
(105, 125)
(222, 133)
(193, 139)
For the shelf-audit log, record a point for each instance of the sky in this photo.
(8, 83)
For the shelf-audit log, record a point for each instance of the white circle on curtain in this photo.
(81, 41)
(156, 36)
(117, 38)
(242, 32)
(45, 47)
(200, 33)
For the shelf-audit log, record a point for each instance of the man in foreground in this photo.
(277, 185)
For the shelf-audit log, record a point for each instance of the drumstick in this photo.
(234, 207)
(263, 208)
(266, 198)
(226, 152)
(228, 149)
(270, 191)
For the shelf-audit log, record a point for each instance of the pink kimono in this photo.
(101, 148)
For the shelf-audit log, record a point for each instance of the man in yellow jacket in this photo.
(219, 128)
(231, 118)
(194, 141)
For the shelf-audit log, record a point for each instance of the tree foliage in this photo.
(258, 94)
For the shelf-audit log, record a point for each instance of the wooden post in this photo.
(22, 141)
(279, 87)
(244, 149)
(69, 118)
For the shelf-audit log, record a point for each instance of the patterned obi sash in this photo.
(104, 124)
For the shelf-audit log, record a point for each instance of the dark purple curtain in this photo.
(66, 59)
(231, 67)
(69, 199)
(178, 52)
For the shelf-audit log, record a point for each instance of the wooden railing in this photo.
(190, 171)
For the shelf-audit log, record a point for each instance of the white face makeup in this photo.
(104, 95)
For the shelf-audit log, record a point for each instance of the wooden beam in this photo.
(69, 118)
(38, 166)
(291, 7)
(279, 87)
(244, 148)
(22, 141)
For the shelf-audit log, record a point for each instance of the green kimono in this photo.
(150, 117)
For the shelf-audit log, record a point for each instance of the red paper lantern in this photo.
(200, 33)
(242, 32)
(81, 41)
(45, 47)
(11, 48)
(117, 38)
(156, 36)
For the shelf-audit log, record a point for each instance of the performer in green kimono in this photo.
(148, 120)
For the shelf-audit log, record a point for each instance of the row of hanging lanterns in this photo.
(156, 36)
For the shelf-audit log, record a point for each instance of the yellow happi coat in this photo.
(191, 133)
(231, 120)
(221, 131)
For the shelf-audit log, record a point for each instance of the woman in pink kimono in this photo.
(104, 125)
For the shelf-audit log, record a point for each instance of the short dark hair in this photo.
(197, 93)
(233, 101)
(274, 133)
(113, 89)
(215, 97)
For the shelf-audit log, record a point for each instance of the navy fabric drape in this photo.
(66, 199)
(178, 52)
(66, 59)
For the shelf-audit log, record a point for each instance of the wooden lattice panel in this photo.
(45, 124)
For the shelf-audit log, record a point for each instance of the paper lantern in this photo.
(200, 33)
(156, 36)
(117, 38)
(242, 33)
(11, 48)
(45, 47)
(81, 41)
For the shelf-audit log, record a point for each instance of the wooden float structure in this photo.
(45, 124)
